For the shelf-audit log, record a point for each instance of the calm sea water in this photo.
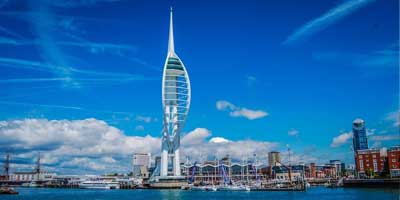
(319, 193)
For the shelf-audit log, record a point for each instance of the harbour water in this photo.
(320, 193)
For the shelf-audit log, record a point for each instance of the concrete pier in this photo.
(374, 183)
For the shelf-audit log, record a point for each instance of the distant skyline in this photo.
(81, 80)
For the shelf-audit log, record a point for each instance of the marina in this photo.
(97, 104)
(320, 193)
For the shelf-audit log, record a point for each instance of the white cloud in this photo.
(341, 139)
(143, 119)
(139, 128)
(377, 144)
(236, 111)
(218, 140)
(84, 163)
(196, 136)
(394, 117)
(249, 114)
(385, 137)
(108, 159)
(198, 146)
(63, 141)
(91, 145)
(327, 19)
(225, 105)
(293, 132)
(370, 132)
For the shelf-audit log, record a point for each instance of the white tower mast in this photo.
(176, 103)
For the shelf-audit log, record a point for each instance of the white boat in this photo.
(31, 184)
(210, 188)
(204, 188)
(99, 184)
(233, 188)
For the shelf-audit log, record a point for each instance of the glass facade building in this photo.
(360, 141)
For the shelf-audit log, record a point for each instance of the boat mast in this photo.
(7, 165)
(38, 167)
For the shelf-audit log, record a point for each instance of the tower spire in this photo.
(171, 49)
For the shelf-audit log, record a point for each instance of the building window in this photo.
(375, 166)
(361, 165)
(394, 160)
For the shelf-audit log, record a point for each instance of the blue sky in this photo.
(266, 73)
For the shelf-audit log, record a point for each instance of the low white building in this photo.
(31, 176)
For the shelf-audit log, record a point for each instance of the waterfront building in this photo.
(350, 170)
(369, 161)
(325, 171)
(338, 166)
(219, 171)
(313, 171)
(141, 164)
(31, 176)
(342, 169)
(175, 103)
(393, 156)
(360, 141)
(273, 158)
(282, 173)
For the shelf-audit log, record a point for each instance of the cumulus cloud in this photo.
(91, 145)
(108, 159)
(72, 142)
(235, 111)
(341, 139)
(293, 132)
(218, 140)
(196, 136)
(196, 144)
(84, 163)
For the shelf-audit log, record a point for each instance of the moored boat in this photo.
(99, 184)
(8, 190)
(233, 188)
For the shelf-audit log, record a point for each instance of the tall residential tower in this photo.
(359, 135)
(176, 103)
